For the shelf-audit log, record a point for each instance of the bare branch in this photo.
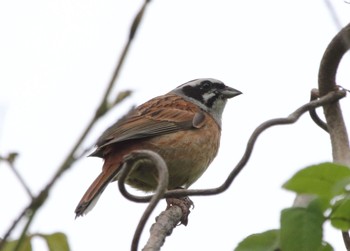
(21, 180)
(334, 117)
(37, 201)
(10, 160)
(326, 81)
(22, 237)
(164, 225)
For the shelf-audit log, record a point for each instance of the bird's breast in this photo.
(187, 153)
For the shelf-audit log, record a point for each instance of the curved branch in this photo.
(327, 83)
(334, 117)
(313, 114)
(132, 161)
(331, 60)
(329, 98)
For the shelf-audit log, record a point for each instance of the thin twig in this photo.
(10, 160)
(24, 232)
(32, 207)
(132, 161)
(121, 96)
(329, 98)
(12, 227)
(313, 114)
(72, 156)
(21, 180)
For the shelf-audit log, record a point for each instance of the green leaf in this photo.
(301, 229)
(340, 215)
(325, 247)
(319, 203)
(25, 245)
(322, 180)
(266, 241)
(56, 241)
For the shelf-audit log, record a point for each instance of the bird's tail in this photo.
(91, 196)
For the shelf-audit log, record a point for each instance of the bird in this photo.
(183, 127)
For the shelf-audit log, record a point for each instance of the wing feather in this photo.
(152, 119)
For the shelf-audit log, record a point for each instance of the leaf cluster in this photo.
(301, 228)
(55, 242)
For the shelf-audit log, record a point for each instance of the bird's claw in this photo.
(185, 203)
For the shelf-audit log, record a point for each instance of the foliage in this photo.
(301, 228)
(55, 242)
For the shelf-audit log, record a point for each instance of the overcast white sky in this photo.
(56, 58)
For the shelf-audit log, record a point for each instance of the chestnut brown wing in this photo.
(161, 115)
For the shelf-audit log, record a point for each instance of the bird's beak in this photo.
(230, 92)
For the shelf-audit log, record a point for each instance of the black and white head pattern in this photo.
(209, 94)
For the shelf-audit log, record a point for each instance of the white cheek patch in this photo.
(207, 96)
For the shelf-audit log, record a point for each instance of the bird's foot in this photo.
(184, 203)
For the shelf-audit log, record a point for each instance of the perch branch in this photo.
(165, 223)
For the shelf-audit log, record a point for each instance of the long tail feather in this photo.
(91, 196)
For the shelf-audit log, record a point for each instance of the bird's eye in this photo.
(206, 85)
